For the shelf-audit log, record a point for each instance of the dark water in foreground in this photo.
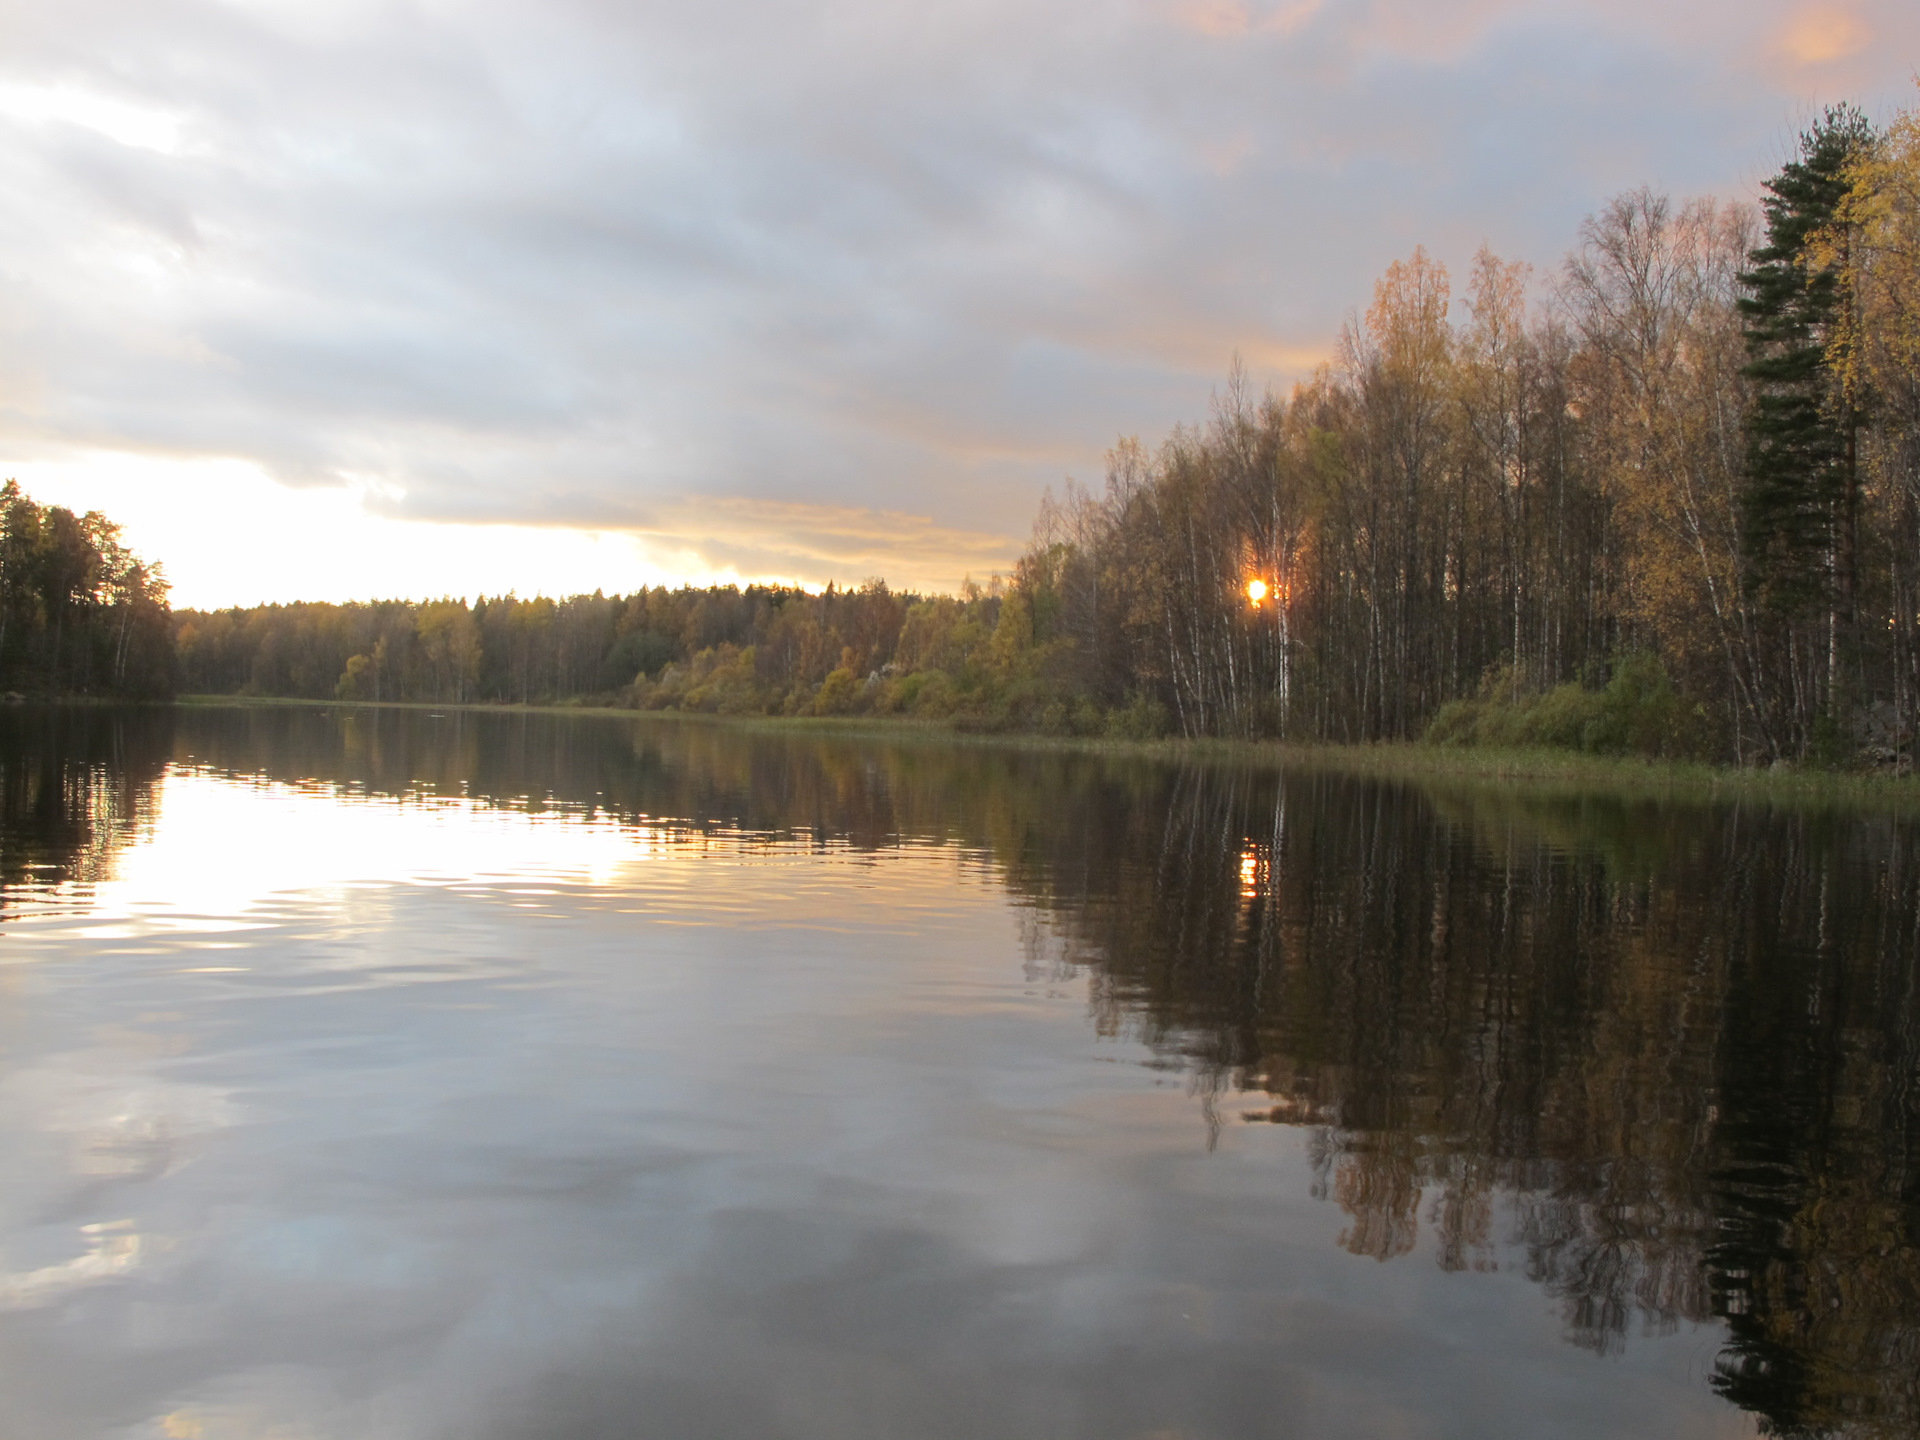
(385, 1075)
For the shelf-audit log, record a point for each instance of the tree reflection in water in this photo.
(1680, 1042)
(75, 785)
(1667, 1052)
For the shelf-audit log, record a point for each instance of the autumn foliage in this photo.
(1664, 500)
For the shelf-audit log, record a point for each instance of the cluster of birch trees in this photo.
(1682, 475)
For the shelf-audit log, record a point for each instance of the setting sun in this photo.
(1256, 590)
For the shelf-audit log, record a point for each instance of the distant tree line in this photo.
(759, 650)
(79, 613)
(1668, 502)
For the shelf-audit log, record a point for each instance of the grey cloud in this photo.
(559, 261)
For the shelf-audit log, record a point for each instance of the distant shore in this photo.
(1539, 770)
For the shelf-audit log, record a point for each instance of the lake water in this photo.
(386, 1074)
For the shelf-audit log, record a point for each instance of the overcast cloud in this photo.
(799, 290)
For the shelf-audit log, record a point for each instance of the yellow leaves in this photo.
(1013, 632)
(1406, 328)
(451, 640)
(1876, 247)
(1497, 301)
(838, 692)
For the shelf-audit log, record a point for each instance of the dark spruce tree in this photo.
(1797, 509)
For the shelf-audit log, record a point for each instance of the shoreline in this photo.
(1537, 771)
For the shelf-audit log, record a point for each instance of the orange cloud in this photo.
(811, 543)
(1425, 31)
(1289, 18)
(1225, 156)
(1223, 18)
(1823, 34)
(1216, 17)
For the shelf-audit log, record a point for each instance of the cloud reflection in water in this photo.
(527, 1078)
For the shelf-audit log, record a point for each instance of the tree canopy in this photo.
(80, 614)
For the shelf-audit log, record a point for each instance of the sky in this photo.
(326, 299)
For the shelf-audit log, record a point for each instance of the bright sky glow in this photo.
(282, 544)
(126, 124)
(398, 299)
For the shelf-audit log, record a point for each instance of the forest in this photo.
(1663, 500)
(80, 614)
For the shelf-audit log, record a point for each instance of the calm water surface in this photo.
(393, 1075)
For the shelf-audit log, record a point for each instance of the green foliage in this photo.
(355, 683)
(637, 653)
(717, 681)
(1637, 713)
(79, 613)
(925, 693)
(1143, 717)
(839, 693)
(972, 659)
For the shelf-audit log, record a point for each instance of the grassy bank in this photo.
(1539, 770)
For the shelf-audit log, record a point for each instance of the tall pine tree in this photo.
(1796, 512)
